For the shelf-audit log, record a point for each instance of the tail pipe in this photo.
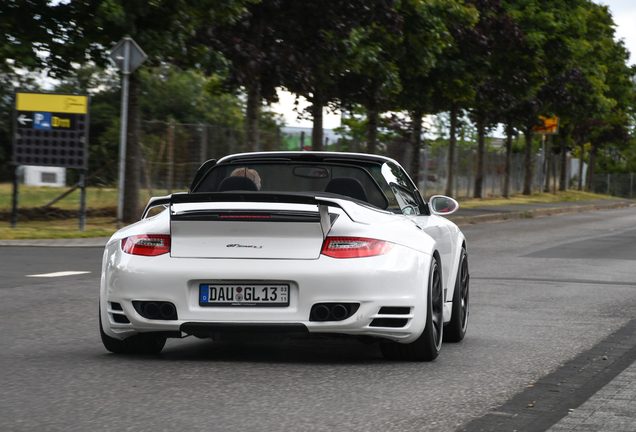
(156, 310)
(332, 311)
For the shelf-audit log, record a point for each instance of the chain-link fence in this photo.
(434, 172)
(172, 152)
(620, 185)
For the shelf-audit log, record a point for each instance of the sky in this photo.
(623, 11)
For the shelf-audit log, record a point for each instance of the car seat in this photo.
(347, 186)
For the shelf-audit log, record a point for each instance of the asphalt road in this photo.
(542, 291)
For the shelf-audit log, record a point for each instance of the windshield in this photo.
(362, 182)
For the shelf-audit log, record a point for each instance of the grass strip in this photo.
(58, 229)
(102, 198)
(535, 198)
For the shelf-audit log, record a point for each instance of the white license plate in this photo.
(243, 295)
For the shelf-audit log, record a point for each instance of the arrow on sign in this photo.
(23, 119)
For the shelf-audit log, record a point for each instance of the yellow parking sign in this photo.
(69, 104)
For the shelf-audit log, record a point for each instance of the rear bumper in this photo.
(211, 327)
(395, 279)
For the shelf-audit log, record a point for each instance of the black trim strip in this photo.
(200, 197)
(247, 216)
(196, 327)
(280, 197)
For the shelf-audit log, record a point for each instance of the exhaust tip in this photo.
(332, 311)
(321, 313)
(156, 310)
(151, 310)
(167, 310)
(339, 312)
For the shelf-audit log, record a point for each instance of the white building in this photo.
(43, 176)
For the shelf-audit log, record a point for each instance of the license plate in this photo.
(243, 295)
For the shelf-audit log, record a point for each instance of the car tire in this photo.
(142, 343)
(429, 344)
(456, 329)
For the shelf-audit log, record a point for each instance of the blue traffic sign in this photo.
(42, 120)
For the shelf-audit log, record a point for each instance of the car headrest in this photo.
(237, 183)
(347, 186)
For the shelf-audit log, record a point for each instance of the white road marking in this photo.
(58, 274)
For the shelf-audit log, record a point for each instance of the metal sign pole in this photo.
(14, 211)
(122, 134)
(127, 56)
(82, 209)
(543, 158)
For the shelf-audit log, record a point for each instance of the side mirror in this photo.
(442, 205)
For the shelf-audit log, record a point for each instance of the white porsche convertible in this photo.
(290, 244)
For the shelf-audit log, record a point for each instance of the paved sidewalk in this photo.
(612, 408)
(595, 391)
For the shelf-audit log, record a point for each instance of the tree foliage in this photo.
(503, 61)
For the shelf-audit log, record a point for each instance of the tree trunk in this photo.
(481, 158)
(591, 168)
(563, 178)
(373, 114)
(528, 164)
(131, 211)
(548, 164)
(452, 143)
(252, 131)
(372, 129)
(508, 167)
(581, 159)
(416, 144)
(317, 133)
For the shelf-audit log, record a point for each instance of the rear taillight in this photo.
(354, 247)
(146, 245)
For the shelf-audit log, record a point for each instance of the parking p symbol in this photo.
(42, 120)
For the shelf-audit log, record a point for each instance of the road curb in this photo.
(526, 214)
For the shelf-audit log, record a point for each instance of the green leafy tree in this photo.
(595, 53)
(88, 28)
(372, 77)
(487, 47)
(257, 56)
(10, 82)
(431, 64)
(166, 92)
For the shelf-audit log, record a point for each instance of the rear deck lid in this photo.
(246, 230)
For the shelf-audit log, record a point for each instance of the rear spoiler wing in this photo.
(287, 198)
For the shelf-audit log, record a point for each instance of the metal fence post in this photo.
(170, 155)
(493, 171)
(204, 143)
(456, 176)
(439, 167)
(424, 191)
(15, 197)
(608, 184)
(82, 208)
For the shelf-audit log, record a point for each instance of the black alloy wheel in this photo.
(456, 328)
(429, 344)
(142, 343)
